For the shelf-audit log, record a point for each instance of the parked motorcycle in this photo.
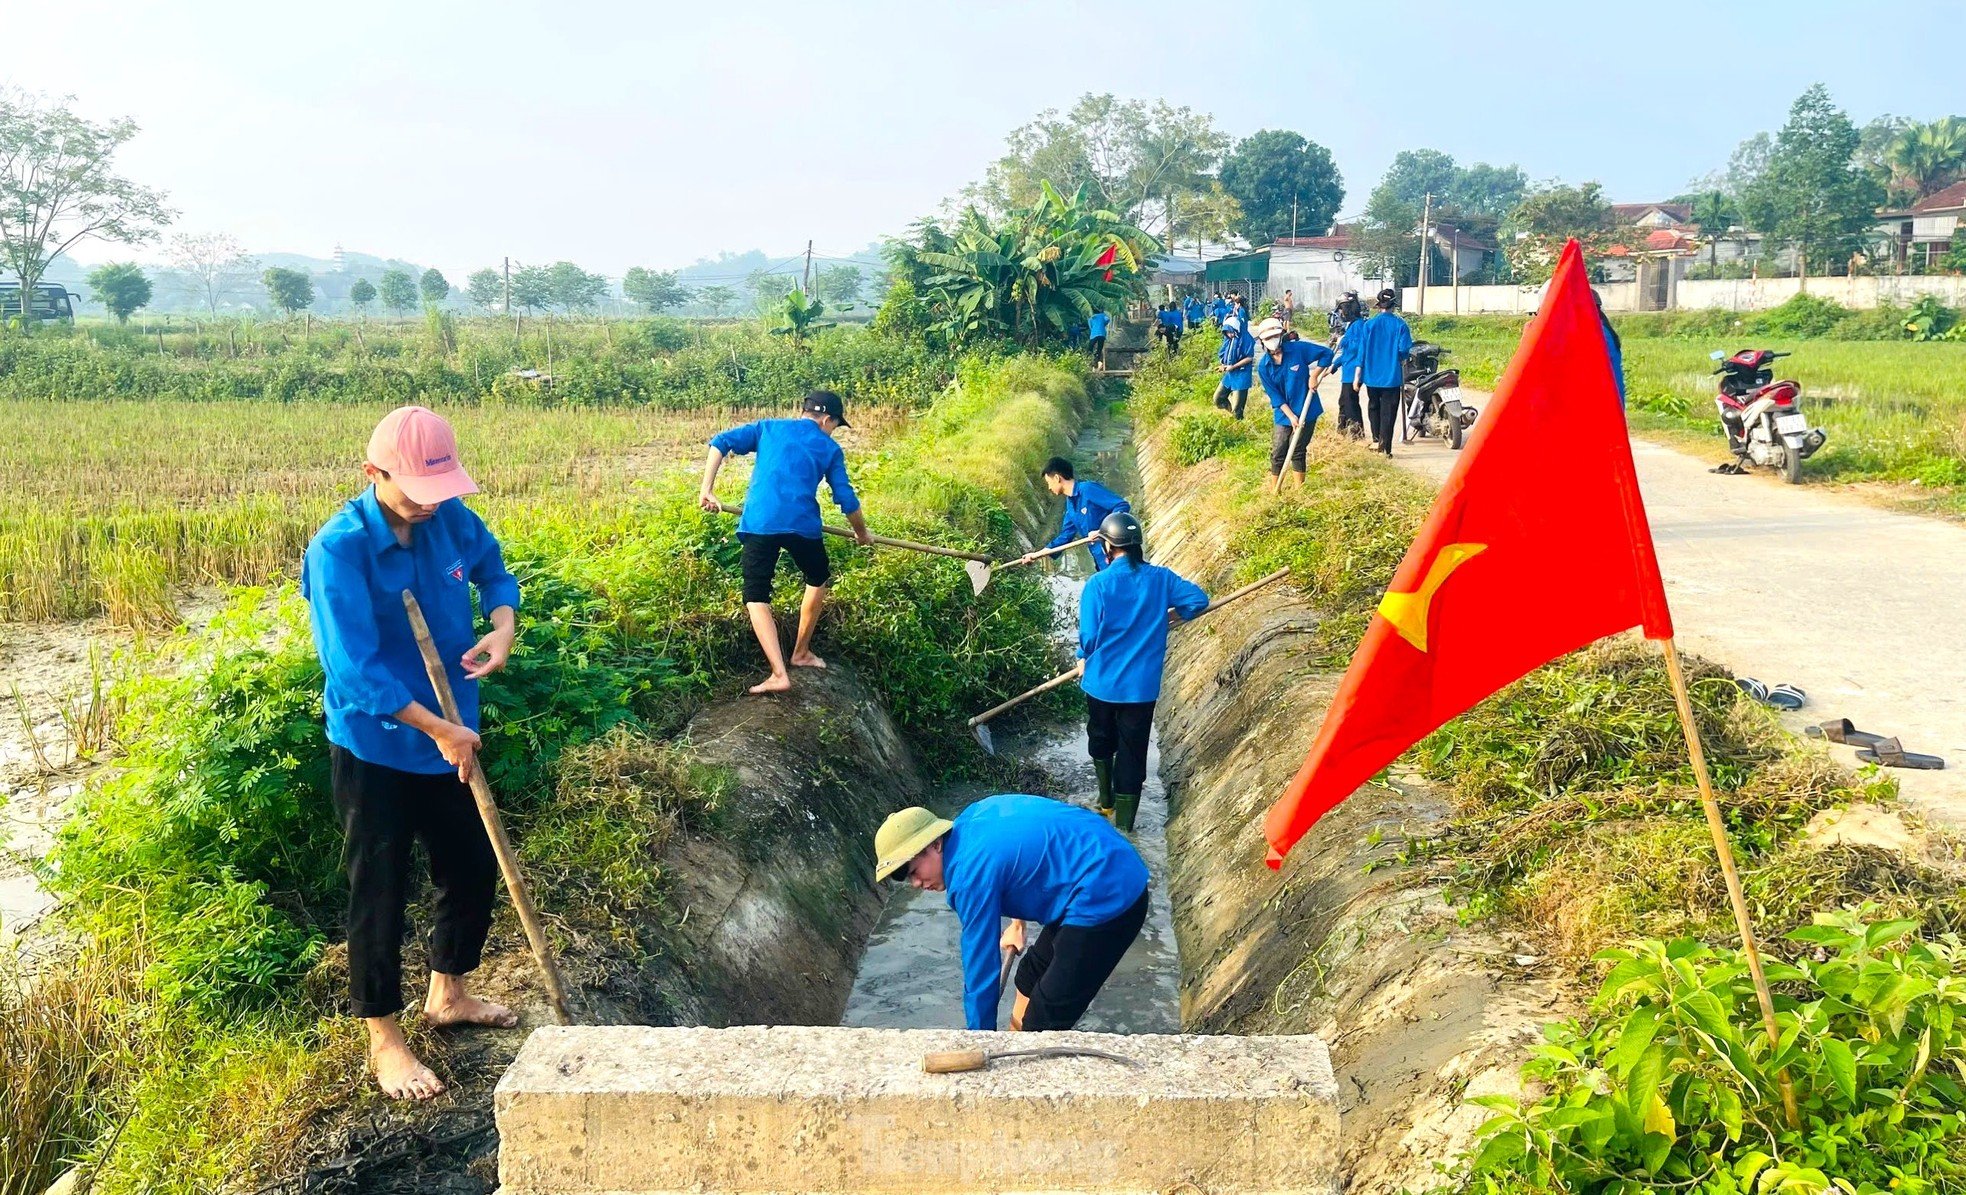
(1763, 421)
(1430, 399)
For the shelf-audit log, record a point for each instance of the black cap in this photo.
(825, 402)
(1387, 299)
(1120, 529)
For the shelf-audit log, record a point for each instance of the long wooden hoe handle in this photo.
(1062, 677)
(1040, 555)
(912, 546)
(508, 861)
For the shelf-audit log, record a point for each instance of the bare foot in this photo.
(468, 1010)
(777, 682)
(806, 659)
(400, 1074)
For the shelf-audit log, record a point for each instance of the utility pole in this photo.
(1293, 216)
(508, 286)
(806, 286)
(1426, 235)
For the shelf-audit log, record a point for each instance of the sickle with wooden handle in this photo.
(952, 1062)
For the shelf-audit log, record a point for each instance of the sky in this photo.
(618, 134)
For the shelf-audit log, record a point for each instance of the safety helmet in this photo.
(1120, 529)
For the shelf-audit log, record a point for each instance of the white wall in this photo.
(1317, 277)
(1731, 294)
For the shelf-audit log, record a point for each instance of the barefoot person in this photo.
(1125, 612)
(781, 514)
(1029, 859)
(1087, 503)
(398, 767)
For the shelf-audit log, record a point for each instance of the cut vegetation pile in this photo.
(202, 871)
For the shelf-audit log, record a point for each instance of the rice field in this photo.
(112, 507)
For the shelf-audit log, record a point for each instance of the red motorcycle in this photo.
(1763, 422)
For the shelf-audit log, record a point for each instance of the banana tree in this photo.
(801, 317)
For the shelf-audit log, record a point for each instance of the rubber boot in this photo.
(1103, 769)
(1125, 805)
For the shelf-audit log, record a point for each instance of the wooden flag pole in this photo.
(1735, 896)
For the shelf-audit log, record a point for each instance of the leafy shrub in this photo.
(1196, 438)
(1802, 317)
(1672, 1082)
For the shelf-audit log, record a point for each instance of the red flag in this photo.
(1107, 258)
(1537, 545)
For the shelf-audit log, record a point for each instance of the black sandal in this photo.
(1842, 731)
(1891, 753)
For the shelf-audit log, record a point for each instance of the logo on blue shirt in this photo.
(456, 571)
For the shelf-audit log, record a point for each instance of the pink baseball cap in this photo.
(418, 449)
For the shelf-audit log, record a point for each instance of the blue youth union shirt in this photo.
(1085, 508)
(1287, 380)
(1239, 347)
(353, 578)
(794, 456)
(1383, 344)
(1123, 628)
(1099, 322)
(1034, 859)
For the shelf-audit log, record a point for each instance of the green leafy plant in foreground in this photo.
(1672, 1083)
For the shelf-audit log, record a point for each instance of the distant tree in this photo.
(1472, 198)
(1716, 212)
(838, 285)
(1928, 157)
(767, 288)
(486, 288)
(121, 288)
(58, 186)
(1553, 214)
(398, 290)
(215, 260)
(653, 290)
(1270, 171)
(361, 294)
(1875, 141)
(717, 298)
(574, 289)
(433, 286)
(289, 290)
(1484, 190)
(1142, 161)
(532, 288)
(1812, 194)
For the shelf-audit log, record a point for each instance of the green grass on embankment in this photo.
(1895, 410)
(203, 874)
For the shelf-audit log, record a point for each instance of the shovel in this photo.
(508, 861)
(884, 541)
(981, 574)
(980, 724)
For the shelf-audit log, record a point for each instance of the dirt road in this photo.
(1862, 608)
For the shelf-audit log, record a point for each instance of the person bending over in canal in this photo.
(1291, 370)
(397, 767)
(1087, 503)
(1124, 617)
(1029, 859)
(1237, 357)
(781, 514)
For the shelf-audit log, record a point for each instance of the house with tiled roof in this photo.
(1924, 232)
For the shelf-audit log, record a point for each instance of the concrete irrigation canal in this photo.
(1216, 1093)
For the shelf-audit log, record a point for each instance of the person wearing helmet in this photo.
(1351, 415)
(1123, 625)
(1291, 370)
(1030, 859)
(1087, 503)
(1237, 358)
(1380, 346)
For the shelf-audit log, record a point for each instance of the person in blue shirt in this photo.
(1218, 309)
(1191, 311)
(1344, 316)
(1613, 346)
(397, 766)
(1380, 346)
(1169, 329)
(1098, 326)
(1123, 625)
(781, 514)
(1235, 361)
(1087, 503)
(1291, 369)
(1030, 859)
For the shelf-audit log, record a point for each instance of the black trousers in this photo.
(383, 813)
(1223, 393)
(1280, 446)
(1068, 964)
(1118, 730)
(1384, 409)
(1098, 350)
(1351, 418)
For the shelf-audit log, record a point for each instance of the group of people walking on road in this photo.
(400, 768)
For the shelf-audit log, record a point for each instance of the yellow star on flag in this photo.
(1408, 611)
